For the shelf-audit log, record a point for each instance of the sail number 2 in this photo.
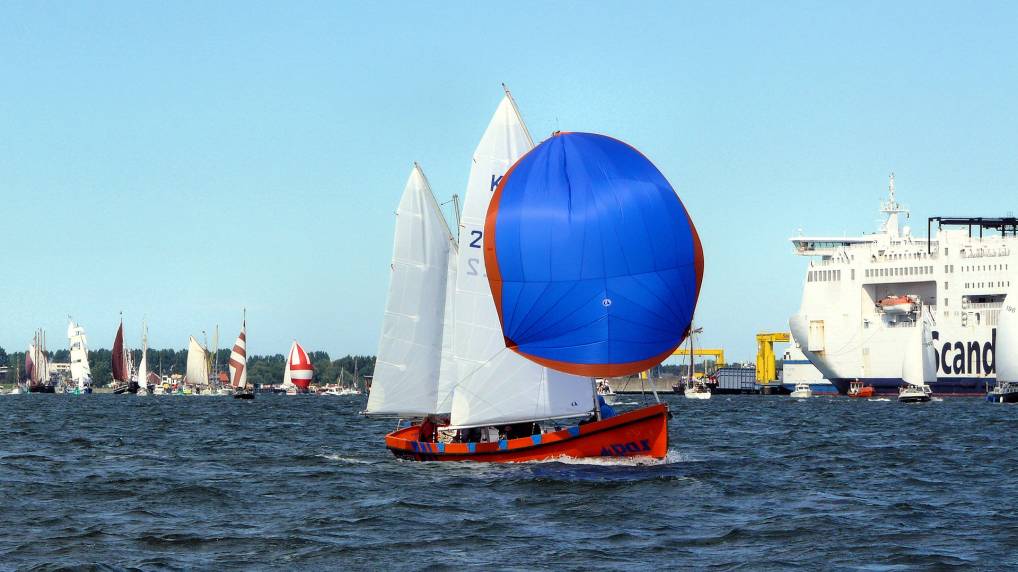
(473, 264)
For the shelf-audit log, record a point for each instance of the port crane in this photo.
(766, 368)
(717, 353)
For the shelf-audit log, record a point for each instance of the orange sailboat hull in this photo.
(639, 433)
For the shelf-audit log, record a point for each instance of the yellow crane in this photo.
(766, 368)
(717, 353)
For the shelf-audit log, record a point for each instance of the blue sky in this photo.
(182, 161)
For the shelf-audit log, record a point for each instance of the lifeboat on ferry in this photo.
(639, 433)
(896, 305)
(857, 389)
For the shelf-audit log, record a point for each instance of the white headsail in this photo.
(919, 362)
(1005, 354)
(494, 384)
(197, 364)
(81, 373)
(407, 370)
(143, 364)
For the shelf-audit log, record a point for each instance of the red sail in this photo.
(29, 365)
(119, 361)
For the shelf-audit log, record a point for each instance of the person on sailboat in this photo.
(429, 430)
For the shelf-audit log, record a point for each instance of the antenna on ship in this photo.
(892, 209)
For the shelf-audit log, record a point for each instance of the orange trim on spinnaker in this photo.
(490, 258)
(599, 369)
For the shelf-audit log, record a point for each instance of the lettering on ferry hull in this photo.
(966, 358)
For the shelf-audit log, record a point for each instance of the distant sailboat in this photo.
(1006, 354)
(238, 366)
(144, 386)
(918, 367)
(299, 372)
(695, 388)
(81, 373)
(37, 368)
(197, 374)
(121, 365)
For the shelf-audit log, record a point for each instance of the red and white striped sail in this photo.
(238, 360)
(299, 370)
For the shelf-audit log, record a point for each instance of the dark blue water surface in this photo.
(751, 483)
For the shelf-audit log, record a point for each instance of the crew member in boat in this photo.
(428, 430)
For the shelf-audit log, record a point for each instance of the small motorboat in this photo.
(696, 389)
(802, 391)
(857, 389)
(1003, 392)
(912, 393)
(340, 391)
(244, 394)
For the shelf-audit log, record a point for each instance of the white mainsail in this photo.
(81, 373)
(407, 370)
(143, 364)
(1005, 353)
(918, 364)
(197, 364)
(493, 384)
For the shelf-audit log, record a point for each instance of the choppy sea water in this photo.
(751, 483)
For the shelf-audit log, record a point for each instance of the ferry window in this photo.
(945, 285)
(945, 302)
(853, 274)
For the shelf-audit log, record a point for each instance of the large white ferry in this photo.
(863, 295)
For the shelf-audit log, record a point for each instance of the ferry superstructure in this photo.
(863, 295)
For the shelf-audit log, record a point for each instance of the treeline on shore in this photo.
(261, 370)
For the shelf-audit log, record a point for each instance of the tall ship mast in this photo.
(37, 368)
(864, 295)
